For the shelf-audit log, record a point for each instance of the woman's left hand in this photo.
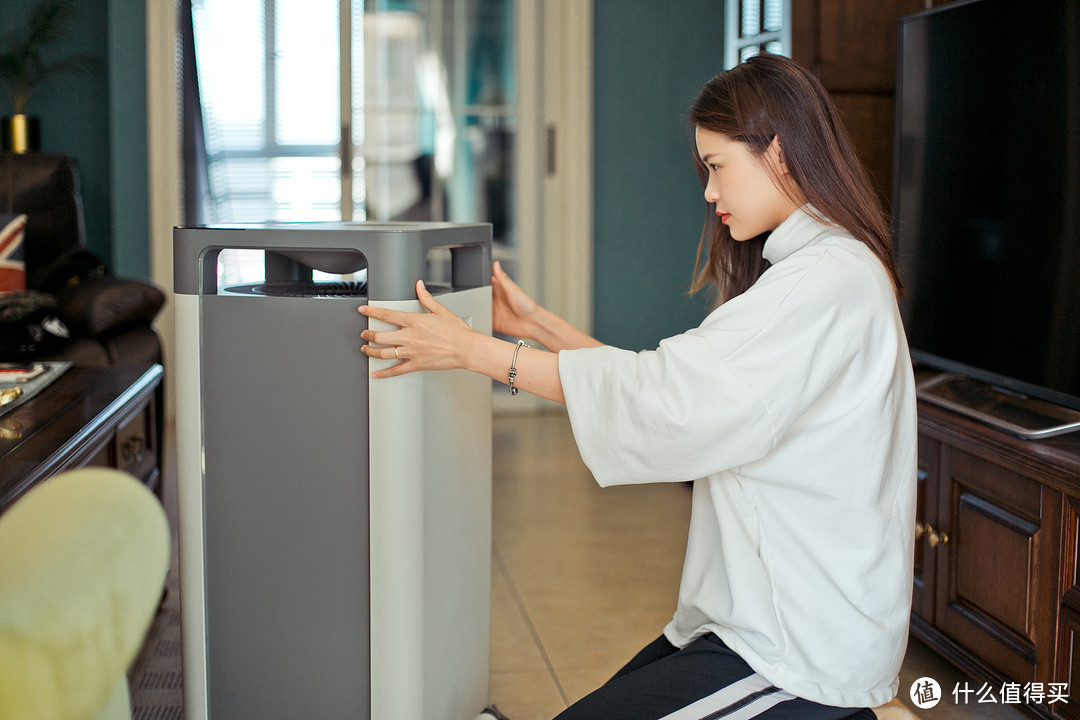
(435, 340)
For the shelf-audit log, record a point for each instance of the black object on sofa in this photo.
(109, 319)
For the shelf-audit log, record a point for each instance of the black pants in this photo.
(703, 681)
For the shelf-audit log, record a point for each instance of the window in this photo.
(359, 109)
(755, 26)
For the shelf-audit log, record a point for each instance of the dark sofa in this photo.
(109, 319)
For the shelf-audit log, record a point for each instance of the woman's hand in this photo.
(516, 314)
(440, 340)
(512, 312)
(435, 340)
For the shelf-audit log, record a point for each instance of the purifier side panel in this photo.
(284, 397)
(185, 365)
(457, 526)
(431, 533)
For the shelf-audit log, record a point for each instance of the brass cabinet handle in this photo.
(933, 537)
(936, 538)
(134, 450)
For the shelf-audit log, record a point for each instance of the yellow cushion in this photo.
(83, 558)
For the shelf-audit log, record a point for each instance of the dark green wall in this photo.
(100, 119)
(650, 61)
(128, 138)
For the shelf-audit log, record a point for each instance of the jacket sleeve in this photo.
(724, 394)
(672, 414)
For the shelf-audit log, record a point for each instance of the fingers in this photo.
(427, 300)
(399, 318)
(500, 276)
(392, 317)
(388, 338)
(418, 341)
(391, 353)
(400, 368)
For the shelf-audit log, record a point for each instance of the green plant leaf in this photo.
(22, 69)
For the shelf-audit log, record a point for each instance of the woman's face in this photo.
(747, 199)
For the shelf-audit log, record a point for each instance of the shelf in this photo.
(1019, 415)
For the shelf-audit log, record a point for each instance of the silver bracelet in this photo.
(513, 367)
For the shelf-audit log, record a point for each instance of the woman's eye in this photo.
(713, 167)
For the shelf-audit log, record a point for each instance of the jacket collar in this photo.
(799, 230)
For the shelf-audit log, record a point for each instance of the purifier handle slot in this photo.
(394, 254)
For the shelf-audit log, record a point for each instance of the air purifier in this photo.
(335, 530)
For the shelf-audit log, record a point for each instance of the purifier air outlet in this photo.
(302, 289)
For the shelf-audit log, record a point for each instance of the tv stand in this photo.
(997, 551)
(1019, 415)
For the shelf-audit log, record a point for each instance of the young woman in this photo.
(791, 408)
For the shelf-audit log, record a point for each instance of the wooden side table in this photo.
(89, 416)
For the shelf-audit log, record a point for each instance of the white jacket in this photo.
(792, 407)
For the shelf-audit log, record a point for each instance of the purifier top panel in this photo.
(360, 226)
(393, 254)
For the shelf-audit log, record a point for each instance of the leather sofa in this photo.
(109, 319)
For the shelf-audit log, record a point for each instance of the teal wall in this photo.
(650, 61)
(100, 119)
(128, 138)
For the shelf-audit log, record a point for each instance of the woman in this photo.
(791, 408)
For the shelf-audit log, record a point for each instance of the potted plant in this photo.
(23, 68)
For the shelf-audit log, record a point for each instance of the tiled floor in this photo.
(584, 577)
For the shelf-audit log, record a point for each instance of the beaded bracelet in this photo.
(513, 367)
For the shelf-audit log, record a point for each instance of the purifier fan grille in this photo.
(305, 289)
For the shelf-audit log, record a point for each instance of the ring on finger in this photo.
(396, 356)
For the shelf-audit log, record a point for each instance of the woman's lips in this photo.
(724, 217)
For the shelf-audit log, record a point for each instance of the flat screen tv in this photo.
(986, 193)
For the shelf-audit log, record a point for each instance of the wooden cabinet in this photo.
(997, 589)
(103, 417)
(851, 46)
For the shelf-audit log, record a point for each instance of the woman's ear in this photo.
(776, 155)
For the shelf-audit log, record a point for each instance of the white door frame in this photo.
(163, 166)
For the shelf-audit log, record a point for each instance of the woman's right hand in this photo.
(513, 312)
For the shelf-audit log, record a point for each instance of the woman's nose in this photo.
(711, 195)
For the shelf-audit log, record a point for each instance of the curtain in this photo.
(196, 173)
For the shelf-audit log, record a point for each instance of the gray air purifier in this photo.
(335, 531)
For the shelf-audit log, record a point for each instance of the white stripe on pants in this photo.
(714, 705)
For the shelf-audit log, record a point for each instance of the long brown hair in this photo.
(766, 97)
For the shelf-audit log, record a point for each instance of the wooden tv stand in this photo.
(997, 583)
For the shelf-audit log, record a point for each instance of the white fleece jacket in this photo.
(792, 408)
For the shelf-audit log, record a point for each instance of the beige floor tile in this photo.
(579, 683)
(894, 711)
(595, 570)
(526, 695)
(513, 645)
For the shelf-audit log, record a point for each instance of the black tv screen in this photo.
(986, 192)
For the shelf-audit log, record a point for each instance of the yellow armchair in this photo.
(83, 558)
